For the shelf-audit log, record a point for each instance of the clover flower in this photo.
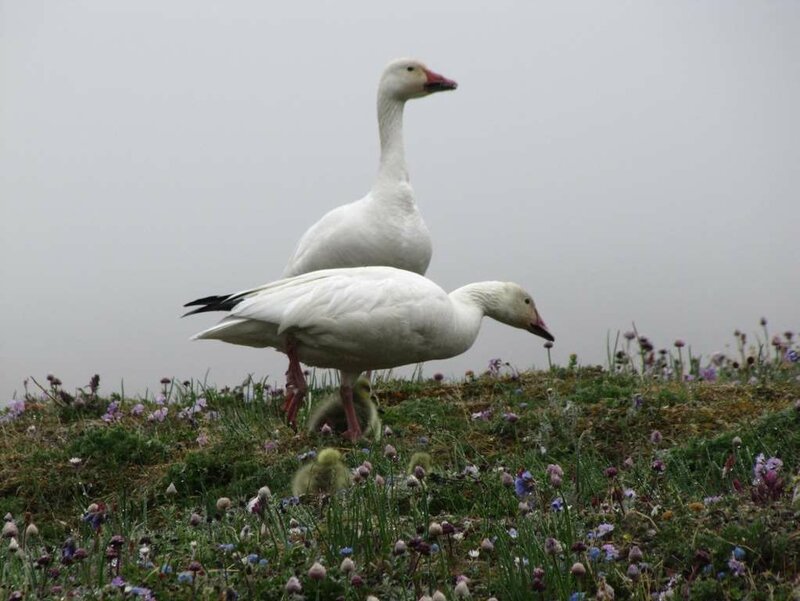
(556, 474)
(347, 566)
(552, 546)
(317, 571)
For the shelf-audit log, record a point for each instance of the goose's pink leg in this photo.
(353, 432)
(295, 386)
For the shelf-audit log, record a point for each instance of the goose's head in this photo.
(407, 78)
(516, 308)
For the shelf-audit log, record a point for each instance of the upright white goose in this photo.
(384, 227)
(364, 318)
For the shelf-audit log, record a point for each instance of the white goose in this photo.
(384, 227)
(364, 318)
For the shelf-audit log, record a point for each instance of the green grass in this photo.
(584, 419)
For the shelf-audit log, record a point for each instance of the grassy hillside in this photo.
(661, 478)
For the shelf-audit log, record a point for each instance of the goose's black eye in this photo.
(409, 68)
(527, 301)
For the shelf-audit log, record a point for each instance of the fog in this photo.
(625, 162)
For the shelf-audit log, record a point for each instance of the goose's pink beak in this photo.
(540, 329)
(438, 83)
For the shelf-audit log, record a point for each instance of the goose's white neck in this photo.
(470, 304)
(390, 126)
(483, 296)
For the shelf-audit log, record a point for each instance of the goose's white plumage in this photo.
(384, 227)
(366, 318)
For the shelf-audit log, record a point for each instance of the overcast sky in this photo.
(623, 161)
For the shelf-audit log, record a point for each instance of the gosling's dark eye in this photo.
(527, 301)
(409, 68)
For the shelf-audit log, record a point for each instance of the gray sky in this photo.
(622, 161)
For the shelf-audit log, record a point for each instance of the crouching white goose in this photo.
(364, 318)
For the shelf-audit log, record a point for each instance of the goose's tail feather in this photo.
(223, 302)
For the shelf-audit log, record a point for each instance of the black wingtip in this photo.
(207, 300)
(207, 304)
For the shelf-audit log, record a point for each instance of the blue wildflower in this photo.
(792, 356)
(226, 547)
(739, 553)
(140, 591)
(512, 532)
(523, 483)
(593, 553)
(557, 504)
(185, 577)
(166, 569)
(263, 562)
(346, 551)
(434, 548)
(118, 581)
(253, 558)
(577, 597)
(289, 502)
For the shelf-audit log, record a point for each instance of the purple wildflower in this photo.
(611, 552)
(15, 409)
(112, 413)
(709, 374)
(736, 567)
(159, 415)
(763, 466)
